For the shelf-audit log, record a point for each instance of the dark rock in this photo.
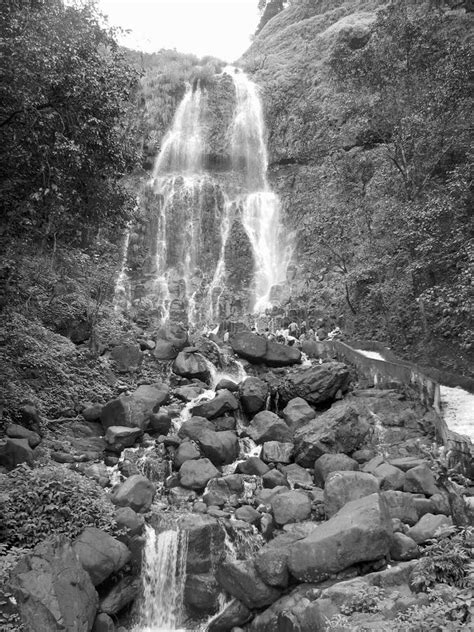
(297, 476)
(136, 492)
(361, 531)
(227, 384)
(128, 519)
(30, 417)
(222, 448)
(54, 593)
(188, 393)
(205, 542)
(223, 402)
(187, 451)
(401, 505)
(403, 548)
(192, 365)
(420, 479)
(266, 426)
(196, 474)
(277, 452)
(271, 563)
(14, 452)
(232, 615)
(120, 595)
(339, 429)
(201, 593)
(134, 410)
(127, 357)
(292, 506)
(240, 579)
(281, 355)
(315, 384)
(103, 623)
(253, 466)
(225, 423)
(100, 554)
(159, 423)
(389, 477)
(298, 412)
(248, 514)
(342, 487)
(170, 340)
(274, 478)
(328, 463)
(15, 431)
(92, 412)
(195, 427)
(253, 395)
(427, 527)
(249, 346)
(120, 437)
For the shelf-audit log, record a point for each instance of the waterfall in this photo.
(163, 578)
(122, 295)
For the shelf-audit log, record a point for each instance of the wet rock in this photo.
(201, 593)
(134, 410)
(14, 452)
(298, 602)
(222, 448)
(136, 492)
(120, 437)
(188, 393)
(249, 346)
(15, 431)
(225, 423)
(427, 527)
(403, 548)
(315, 384)
(240, 579)
(274, 478)
(339, 429)
(103, 623)
(297, 476)
(361, 531)
(328, 463)
(224, 402)
(232, 615)
(187, 451)
(196, 474)
(181, 497)
(131, 521)
(220, 491)
(292, 506)
(266, 426)
(389, 477)
(170, 340)
(100, 554)
(195, 427)
(277, 452)
(420, 479)
(253, 395)
(298, 412)
(252, 466)
(205, 542)
(123, 593)
(54, 593)
(271, 565)
(342, 487)
(401, 505)
(127, 357)
(227, 384)
(281, 355)
(159, 423)
(248, 514)
(191, 364)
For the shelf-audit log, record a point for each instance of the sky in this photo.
(221, 28)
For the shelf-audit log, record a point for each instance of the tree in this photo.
(268, 9)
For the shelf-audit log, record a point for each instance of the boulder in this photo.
(188, 393)
(328, 463)
(92, 412)
(292, 506)
(360, 532)
(240, 579)
(103, 623)
(298, 412)
(315, 384)
(253, 466)
(15, 431)
(136, 492)
(401, 506)
(131, 521)
(14, 452)
(124, 592)
(297, 476)
(274, 478)
(159, 423)
(191, 364)
(170, 340)
(127, 357)
(187, 451)
(53, 591)
(134, 410)
(222, 448)
(428, 526)
(342, 487)
(420, 479)
(266, 426)
(220, 491)
(233, 614)
(248, 514)
(195, 427)
(253, 395)
(403, 548)
(196, 474)
(227, 384)
(249, 346)
(120, 437)
(225, 423)
(100, 554)
(223, 402)
(206, 542)
(389, 477)
(277, 452)
(281, 355)
(201, 593)
(271, 565)
(339, 429)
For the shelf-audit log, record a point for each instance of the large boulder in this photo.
(222, 448)
(342, 487)
(290, 506)
(195, 428)
(328, 463)
(206, 542)
(120, 595)
(266, 426)
(315, 384)
(297, 412)
(196, 474)
(231, 616)
(401, 506)
(120, 437)
(342, 428)
(127, 357)
(100, 554)
(281, 355)
(134, 410)
(420, 479)
(201, 593)
(240, 579)
(53, 591)
(14, 452)
(223, 402)
(249, 346)
(191, 364)
(170, 340)
(428, 526)
(253, 395)
(360, 532)
(136, 492)
(389, 477)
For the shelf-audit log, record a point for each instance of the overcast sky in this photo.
(204, 27)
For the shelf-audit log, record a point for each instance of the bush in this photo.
(366, 599)
(49, 501)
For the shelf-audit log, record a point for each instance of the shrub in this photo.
(367, 599)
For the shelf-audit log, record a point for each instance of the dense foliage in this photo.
(65, 139)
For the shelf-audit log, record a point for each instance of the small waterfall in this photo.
(163, 578)
(122, 292)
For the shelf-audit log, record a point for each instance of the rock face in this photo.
(266, 426)
(340, 429)
(241, 580)
(253, 395)
(315, 384)
(136, 492)
(361, 531)
(191, 364)
(100, 554)
(53, 591)
(342, 487)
